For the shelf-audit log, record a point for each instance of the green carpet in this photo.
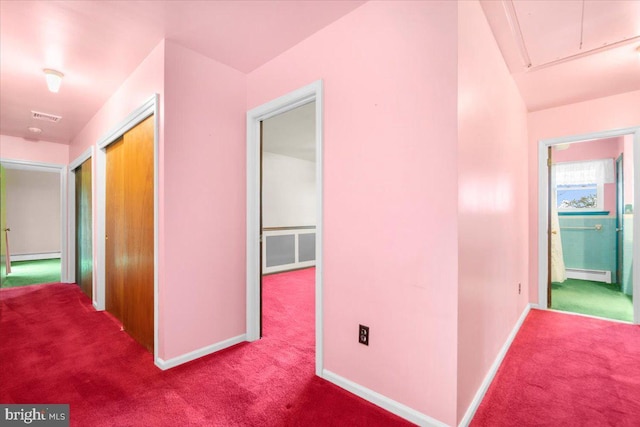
(33, 272)
(592, 298)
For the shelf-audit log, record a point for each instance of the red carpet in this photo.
(55, 348)
(565, 370)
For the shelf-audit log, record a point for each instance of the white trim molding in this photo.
(543, 194)
(86, 155)
(35, 257)
(62, 170)
(297, 98)
(384, 402)
(147, 109)
(477, 399)
(196, 354)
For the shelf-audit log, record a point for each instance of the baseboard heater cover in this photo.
(593, 275)
(35, 257)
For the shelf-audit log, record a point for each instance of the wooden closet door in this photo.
(84, 243)
(115, 249)
(129, 257)
(139, 236)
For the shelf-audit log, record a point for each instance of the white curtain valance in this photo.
(587, 172)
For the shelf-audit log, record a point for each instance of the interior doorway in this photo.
(34, 234)
(589, 274)
(255, 121)
(579, 221)
(288, 213)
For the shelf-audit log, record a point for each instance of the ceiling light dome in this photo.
(54, 79)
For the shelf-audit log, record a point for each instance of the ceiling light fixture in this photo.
(54, 79)
(35, 130)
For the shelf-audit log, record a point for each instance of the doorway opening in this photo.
(590, 265)
(288, 218)
(289, 242)
(34, 230)
(587, 231)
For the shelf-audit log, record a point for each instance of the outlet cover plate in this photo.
(363, 335)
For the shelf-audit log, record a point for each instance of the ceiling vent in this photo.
(46, 117)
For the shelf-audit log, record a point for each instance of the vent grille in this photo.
(46, 117)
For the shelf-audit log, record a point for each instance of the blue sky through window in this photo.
(567, 193)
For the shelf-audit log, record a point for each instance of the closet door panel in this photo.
(139, 238)
(115, 227)
(84, 227)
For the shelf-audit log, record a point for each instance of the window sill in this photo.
(583, 213)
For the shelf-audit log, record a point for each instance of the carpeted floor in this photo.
(565, 370)
(592, 298)
(33, 272)
(57, 349)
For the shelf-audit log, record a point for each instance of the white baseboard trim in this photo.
(34, 257)
(477, 399)
(204, 351)
(382, 401)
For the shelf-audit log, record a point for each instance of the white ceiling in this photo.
(292, 133)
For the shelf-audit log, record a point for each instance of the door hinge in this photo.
(549, 162)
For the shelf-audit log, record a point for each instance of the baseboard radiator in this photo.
(593, 275)
(288, 248)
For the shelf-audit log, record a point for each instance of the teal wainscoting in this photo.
(589, 249)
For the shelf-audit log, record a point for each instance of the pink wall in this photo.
(201, 189)
(492, 202)
(390, 194)
(143, 83)
(203, 293)
(609, 148)
(16, 148)
(612, 112)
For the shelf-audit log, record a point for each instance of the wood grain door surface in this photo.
(84, 243)
(130, 233)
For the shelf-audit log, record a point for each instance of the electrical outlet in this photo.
(363, 335)
(519, 288)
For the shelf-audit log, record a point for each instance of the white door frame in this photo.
(297, 98)
(62, 170)
(150, 107)
(86, 155)
(543, 198)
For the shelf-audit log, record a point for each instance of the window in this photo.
(584, 197)
(579, 186)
